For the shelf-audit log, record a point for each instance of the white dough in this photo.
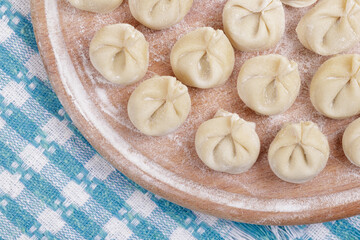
(335, 90)
(299, 152)
(254, 25)
(227, 143)
(159, 105)
(120, 53)
(203, 58)
(331, 27)
(351, 142)
(159, 14)
(269, 84)
(298, 3)
(97, 6)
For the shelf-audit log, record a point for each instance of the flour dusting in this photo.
(172, 160)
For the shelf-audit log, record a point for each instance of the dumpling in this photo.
(254, 25)
(203, 58)
(298, 3)
(335, 90)
(331, 27)
(351, 142)
(159, 14)
(159, 105)
(299, 152)
(120, 53)
(227, 143)
(97, 6)
(269, 84)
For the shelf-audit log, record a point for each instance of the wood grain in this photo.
(169, 166)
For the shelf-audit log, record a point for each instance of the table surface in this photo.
(53, 184)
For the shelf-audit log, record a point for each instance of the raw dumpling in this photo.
(351, 142)
(299, 152)
(159, 106)
(159, 14)
(335, 90)
(254, 25)
(269, 84)
(331, 27)
(98, 6)
(120, 53)
(227, 143)
(203, 58)
(298, 3)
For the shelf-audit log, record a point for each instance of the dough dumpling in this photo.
(254, 25)
(299, 152)
(227, 143)
(97, 6)
(335, 90)
(331, 27)
(159, 105)
(120, 53)
(159, 14)
(351, 142)
(203, 58)
(269, 84)
(298, 3)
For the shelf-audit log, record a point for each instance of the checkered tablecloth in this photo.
(54, 185)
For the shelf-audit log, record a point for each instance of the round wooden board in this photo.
(169, 166)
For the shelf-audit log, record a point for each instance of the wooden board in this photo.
(169, 166)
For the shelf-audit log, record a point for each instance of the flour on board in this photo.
(98, 104)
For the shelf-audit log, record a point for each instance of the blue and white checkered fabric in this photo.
(53, 184)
